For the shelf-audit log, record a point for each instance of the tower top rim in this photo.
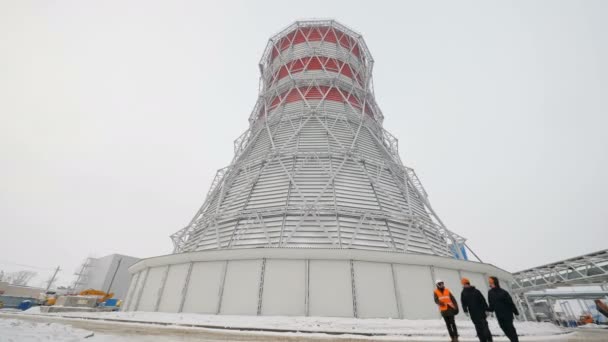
(316, 23)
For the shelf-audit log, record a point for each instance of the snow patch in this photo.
(593, 326)
(391, 327)
(14, 330)
(33, 310)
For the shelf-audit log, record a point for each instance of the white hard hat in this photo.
(438, 281)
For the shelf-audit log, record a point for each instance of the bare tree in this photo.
(19, 278)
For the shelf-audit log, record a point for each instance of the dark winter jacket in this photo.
(501, 302)
(450, 311)
(601, 307)
(473, 302)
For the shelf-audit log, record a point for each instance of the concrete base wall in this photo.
(300, 282)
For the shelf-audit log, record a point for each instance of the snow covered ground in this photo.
(362, 327)
(32, 326)
(15, 330)
(326, 324)
(593, 326)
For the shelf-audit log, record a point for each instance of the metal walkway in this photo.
(563, 295)
(586, 269)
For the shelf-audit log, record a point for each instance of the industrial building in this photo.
(109, 274)
(12, 295)
(316, 215)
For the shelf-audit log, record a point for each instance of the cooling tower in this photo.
(316, 215)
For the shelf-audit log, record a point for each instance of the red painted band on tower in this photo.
(317, 63)
(317, 93)
(316, 34)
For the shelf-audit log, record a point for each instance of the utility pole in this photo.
(114, 275)
(52, 278)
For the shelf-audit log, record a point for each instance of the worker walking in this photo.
(474, 305)
(502, 304)
(448, 308)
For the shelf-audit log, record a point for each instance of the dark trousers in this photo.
(506, 324)
(483, 331)
(451, 324)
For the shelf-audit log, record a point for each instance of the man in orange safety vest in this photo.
(448, 307)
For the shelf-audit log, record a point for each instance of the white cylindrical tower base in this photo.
(300, 282)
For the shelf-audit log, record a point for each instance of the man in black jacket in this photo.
(502, 304)
(448, 307)
(475, 306)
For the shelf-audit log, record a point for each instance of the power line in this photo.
(4, 262)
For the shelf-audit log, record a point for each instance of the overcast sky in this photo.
(115, 115)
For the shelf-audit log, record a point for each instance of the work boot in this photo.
(454, 338)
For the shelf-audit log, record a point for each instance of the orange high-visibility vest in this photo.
(444, 299)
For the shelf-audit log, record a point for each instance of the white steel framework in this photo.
(586, 269)
(316, 169)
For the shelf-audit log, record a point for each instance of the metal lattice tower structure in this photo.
(316, 168)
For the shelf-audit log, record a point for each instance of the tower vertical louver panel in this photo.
(316, 169)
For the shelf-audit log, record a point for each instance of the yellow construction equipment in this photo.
(101, 296)
(48, 298)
